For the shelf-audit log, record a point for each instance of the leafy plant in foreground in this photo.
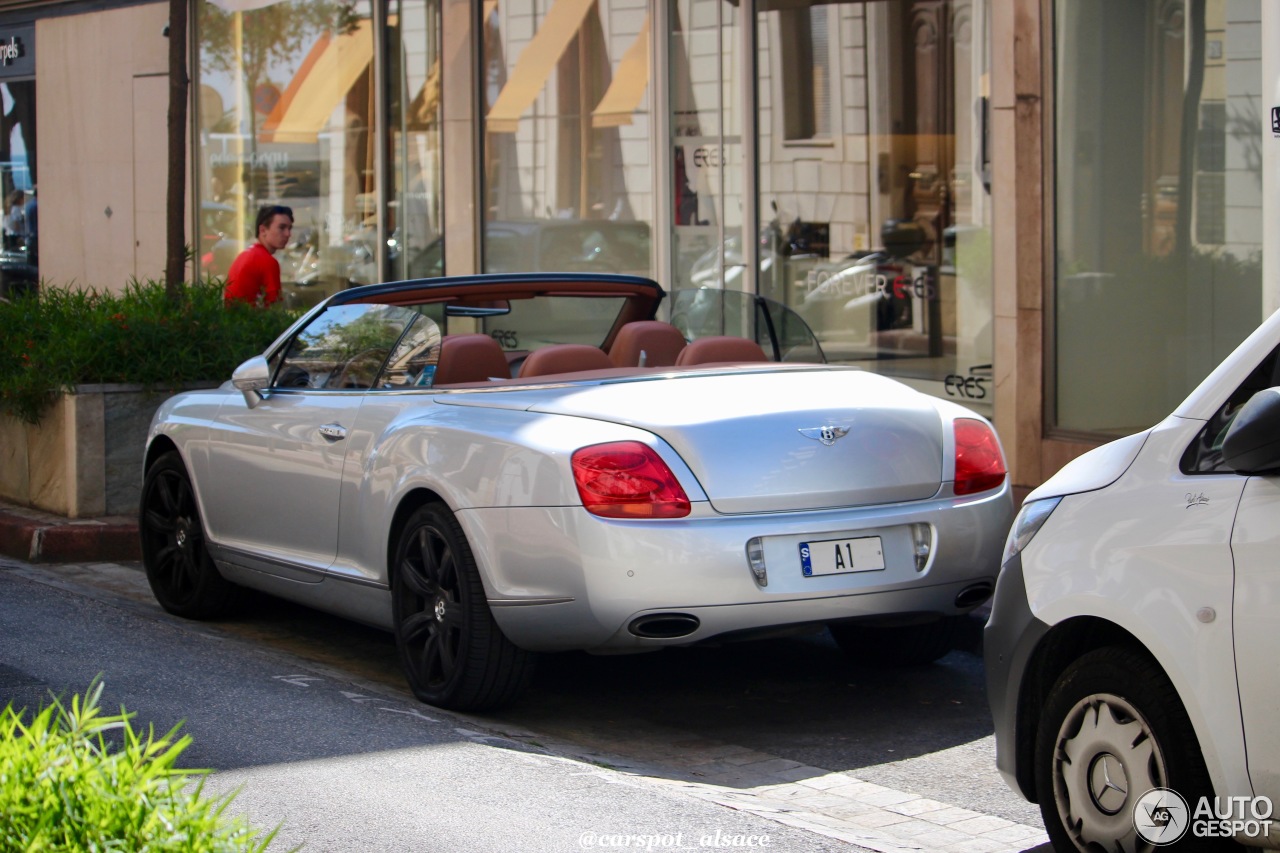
(75, 779)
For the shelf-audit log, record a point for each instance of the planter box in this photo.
(84, 458)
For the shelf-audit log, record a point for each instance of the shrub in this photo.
(73, 779)
(59, 338)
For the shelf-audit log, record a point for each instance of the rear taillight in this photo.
(979, 463)
(627, 479)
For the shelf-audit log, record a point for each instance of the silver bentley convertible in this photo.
(496, 466)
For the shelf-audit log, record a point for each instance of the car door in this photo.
(1255, 616)
(1255, 542)
(276, 468)
(362, 519)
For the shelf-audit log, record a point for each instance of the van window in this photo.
(1204, 455)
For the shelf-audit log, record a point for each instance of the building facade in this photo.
(1050, 211)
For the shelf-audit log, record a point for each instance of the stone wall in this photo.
(84, 458)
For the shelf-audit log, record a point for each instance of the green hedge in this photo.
(73, 779)
(65, 337)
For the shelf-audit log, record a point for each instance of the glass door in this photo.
(414, 236)
(708, 170)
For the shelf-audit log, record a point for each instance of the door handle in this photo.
(334, 432)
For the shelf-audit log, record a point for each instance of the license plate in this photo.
(841, 556)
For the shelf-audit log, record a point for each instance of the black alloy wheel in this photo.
(454, 654)
(1112, 730)
(182, 575)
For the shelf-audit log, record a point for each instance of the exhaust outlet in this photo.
(663, 626)
(972, 596)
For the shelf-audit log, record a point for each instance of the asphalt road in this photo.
(924, 730)
(310, 714)
(341, 765)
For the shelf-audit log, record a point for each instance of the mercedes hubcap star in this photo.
(1108, 783)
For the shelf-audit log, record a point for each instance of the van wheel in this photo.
(1112, 730)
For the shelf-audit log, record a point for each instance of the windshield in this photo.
(538, 322)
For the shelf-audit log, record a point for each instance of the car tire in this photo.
(884, 646)
(179, 569)
(453, 652)
(1112, 729)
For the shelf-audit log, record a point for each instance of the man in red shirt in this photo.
(254, 276)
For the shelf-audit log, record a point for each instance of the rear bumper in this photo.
(534, 627)
(558, 578)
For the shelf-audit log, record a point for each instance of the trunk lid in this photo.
(782, 440)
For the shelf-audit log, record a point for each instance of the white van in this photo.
(1133, 650)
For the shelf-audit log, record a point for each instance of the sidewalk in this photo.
(41, 537)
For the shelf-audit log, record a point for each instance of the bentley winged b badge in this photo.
(826, 434)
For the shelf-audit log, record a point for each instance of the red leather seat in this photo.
(717, 349)
(470, 358)
(564, 358)
(660, 342)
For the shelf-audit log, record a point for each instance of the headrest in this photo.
(720, 349)
(470, 358)
(660, 342)
(564, 358)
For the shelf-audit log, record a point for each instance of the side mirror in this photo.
(1252, 443)
(251, 377)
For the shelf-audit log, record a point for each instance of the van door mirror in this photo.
(1252, 443)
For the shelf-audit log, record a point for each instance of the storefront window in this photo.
(1158, 205)
(20, 254)
(286, 112)
(415, 238)
(568, 183)
(874, 184)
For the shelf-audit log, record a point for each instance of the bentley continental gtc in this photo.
(496, 466)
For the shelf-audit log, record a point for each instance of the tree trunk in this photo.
(175, 196)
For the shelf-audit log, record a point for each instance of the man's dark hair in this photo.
(268, 212)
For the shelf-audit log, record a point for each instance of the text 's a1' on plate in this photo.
(841, 556)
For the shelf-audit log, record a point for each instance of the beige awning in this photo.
(624, 94)
(424, 106)
(326, 75)
(534, 66)
(486, 12)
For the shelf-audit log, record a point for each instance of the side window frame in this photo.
(433, 333)
(286, 359)
(1204, 454)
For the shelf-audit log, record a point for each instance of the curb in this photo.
(41, 537)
